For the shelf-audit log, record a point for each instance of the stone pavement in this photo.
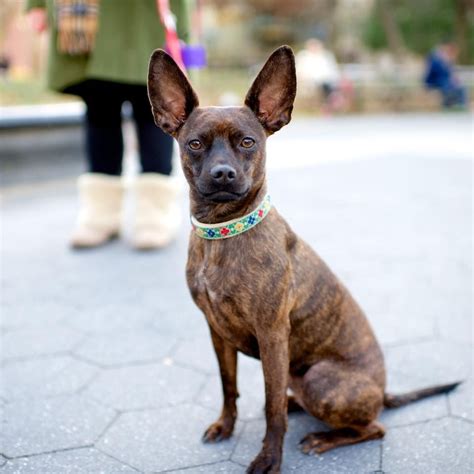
(107, 364)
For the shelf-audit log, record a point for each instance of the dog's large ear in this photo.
(171, 95)
(273, 92)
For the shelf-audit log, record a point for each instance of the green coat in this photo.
(129, 30)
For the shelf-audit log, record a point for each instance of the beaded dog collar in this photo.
(224, 230)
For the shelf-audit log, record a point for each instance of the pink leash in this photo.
(171, 36)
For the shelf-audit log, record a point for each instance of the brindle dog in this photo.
(265, 292)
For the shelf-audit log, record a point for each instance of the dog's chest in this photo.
(222, 289)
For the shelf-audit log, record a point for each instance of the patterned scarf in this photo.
(77, 23)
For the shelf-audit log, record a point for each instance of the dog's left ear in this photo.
(171, 95)
(273, 92)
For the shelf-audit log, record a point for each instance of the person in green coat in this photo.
(99, 50)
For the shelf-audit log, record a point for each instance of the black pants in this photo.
(103, 127)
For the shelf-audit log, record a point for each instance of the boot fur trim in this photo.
(100, 209)
(157, 211)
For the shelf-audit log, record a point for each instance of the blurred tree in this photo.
(464, 27)
(288, 10)
(277, 21)
(402, 25)
(386, 15)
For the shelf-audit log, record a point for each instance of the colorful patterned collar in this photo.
(224, 230)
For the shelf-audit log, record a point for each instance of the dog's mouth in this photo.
(224, 196)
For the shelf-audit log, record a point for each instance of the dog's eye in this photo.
(247, 142)
(195, 145)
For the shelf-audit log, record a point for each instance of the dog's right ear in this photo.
(171, 95)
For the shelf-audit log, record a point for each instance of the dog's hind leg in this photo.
(326, 440)
(344, 398)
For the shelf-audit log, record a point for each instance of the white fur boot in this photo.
(157, 215)
(100, 209)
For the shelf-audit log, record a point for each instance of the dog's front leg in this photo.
(227, 358)
(273, 346)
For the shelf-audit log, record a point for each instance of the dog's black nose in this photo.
(223, 174)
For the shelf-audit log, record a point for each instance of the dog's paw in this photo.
(265, 463)
(218, 431)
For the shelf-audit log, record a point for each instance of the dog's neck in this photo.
(213, 213)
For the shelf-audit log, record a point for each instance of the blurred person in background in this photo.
(440, 75)
(99, 50)
(7, 7)
(317, 68)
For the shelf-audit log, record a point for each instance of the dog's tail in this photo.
(394, 401)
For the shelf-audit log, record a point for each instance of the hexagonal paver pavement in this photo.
(351, 459)
(178, 315)
(21, 313)
(165, 439)
(77, 461)
(108, 317)
(31, 342)
(461, 400)
(198, 353)
(91, 380)
(251, 401)
(435, 362)
(121, 348)
(228, 467)
(43, 377)
(422, 410)
(40, 426)
(145, 386)
(455, 323)
(385, 298)
(429, 447)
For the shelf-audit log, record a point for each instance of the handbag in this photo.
(185, 56)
